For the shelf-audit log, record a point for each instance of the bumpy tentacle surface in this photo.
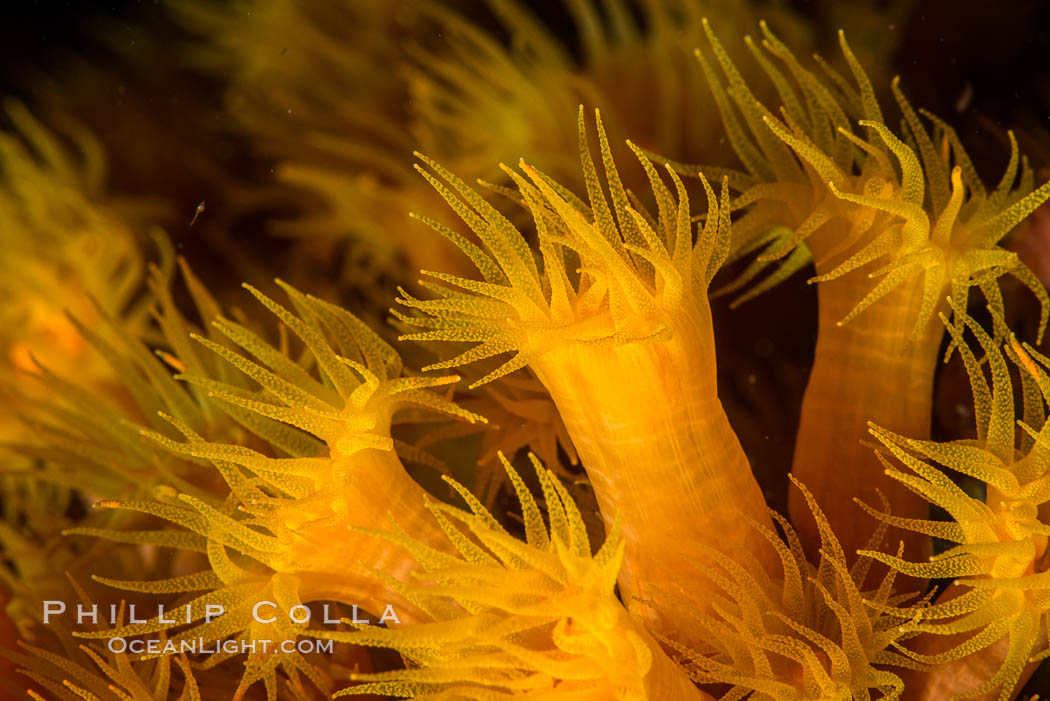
(998, 608)
(807, 632)
(531, 619)
(318, 457)
(625, 347)
(893, 224)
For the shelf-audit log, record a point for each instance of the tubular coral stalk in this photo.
(913, 214)
(660, 453)
(625, 349)
(867, 370)
(331, 563)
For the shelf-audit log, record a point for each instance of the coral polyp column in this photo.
(865, 371)
(662, 457)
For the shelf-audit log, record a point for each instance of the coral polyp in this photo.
(805, 634)
(636, 308)
(65, 245)
(530, 617)
(538, 476)
(998, 562)
(892, 224)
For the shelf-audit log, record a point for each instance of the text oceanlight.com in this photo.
(200, 646)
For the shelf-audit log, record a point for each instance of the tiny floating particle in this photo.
(197, 212)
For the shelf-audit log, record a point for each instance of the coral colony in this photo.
(287, 494)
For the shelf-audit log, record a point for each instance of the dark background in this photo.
(1000, 49)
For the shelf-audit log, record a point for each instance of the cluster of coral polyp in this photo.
(284, 503)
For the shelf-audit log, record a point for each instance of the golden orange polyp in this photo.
(893, 225)
(661, 456)
(273, 462)
(332, 561)
(868, 370)
(538, 616)
(626, 351)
